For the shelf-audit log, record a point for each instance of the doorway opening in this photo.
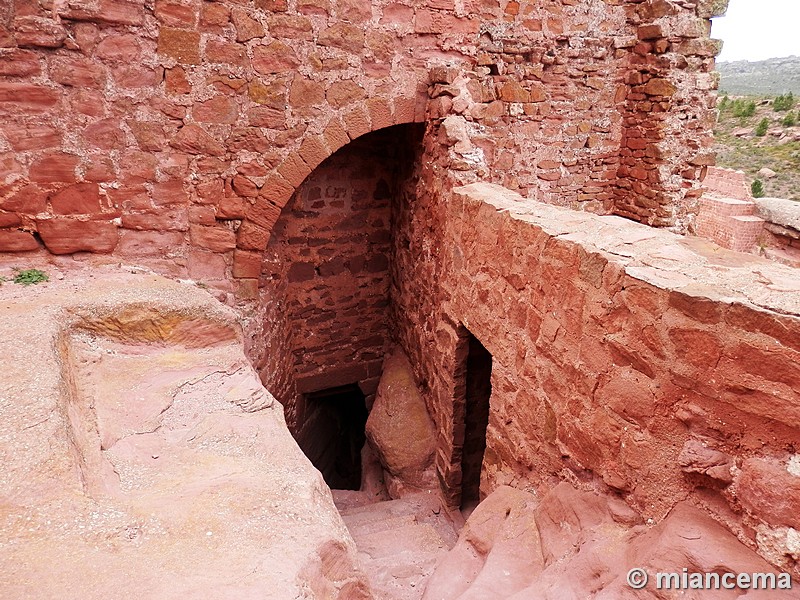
(476, 420)
(333, 434)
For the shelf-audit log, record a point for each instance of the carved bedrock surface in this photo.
(149, 461)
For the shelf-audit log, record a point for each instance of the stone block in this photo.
(14, 240)
(171, 219)
(20, 63)
(217, 239)
(220, 109)
(246, 26)
(335, 135)
(217, 51)
(115, 12)
(122, 48)
(343, 93)
(176, 14)
(204, 265)
(54, 167)
(306, 94)
(344, 36)
(246, 264)
(81, 198)
(157, 244)
(659, 87)
(193, 139)
(313, 151)
(276, 57)
(252, 236)
(294, 169)
(179, 44)
(38, 32)
(104, 134)
(357, 122)
(9, 219)
(77, 71)
(277, 190)
(32, 136)
(24, 98)
(29, 199)
(380, 113)
(65, 236)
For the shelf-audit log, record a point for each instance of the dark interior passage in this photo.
(333, 434)
(476, 419)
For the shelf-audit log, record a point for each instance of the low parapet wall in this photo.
(624, 358)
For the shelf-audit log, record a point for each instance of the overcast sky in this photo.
(758, 29)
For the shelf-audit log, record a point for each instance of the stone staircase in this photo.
(730, 222)
(399, 541)
(728, 215)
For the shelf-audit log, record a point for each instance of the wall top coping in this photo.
(691, 265)
(780, 211)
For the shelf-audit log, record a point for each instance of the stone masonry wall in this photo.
(327, 265)
(172, 132)
(624, 358)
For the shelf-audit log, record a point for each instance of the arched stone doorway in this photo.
(327, 276)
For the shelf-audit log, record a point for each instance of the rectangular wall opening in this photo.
(476, 419)
(333, 434)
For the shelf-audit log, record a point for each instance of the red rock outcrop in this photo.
(578, 544)
(400, 429)
(142, 457)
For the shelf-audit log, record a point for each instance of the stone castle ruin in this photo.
(448, 245)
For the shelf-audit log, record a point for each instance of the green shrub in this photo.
(761, 128)
(743, 108)
(789, 120)
(723, 104)
(783, 102)
(29, 276)
(757, 188)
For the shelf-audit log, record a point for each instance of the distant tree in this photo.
(742, 108)
(783, 102)
(757, 188)
(761, 128)
(723, 104)
(789, 120)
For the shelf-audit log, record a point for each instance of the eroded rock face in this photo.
(399, 427)
(578, 544)
(142, 456)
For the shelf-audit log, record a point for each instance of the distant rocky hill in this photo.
(766, 77)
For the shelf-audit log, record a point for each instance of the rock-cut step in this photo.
(399, 541)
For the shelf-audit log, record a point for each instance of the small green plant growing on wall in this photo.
(761, 128)
(757, 188)
(29, 276)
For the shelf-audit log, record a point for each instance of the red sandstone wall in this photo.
(669, 111)
(172, 133)
(637, 379)
(327, 264)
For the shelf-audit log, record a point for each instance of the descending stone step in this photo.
(399, 541)
(399, 560)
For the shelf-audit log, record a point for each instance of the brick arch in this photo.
(255, 229)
